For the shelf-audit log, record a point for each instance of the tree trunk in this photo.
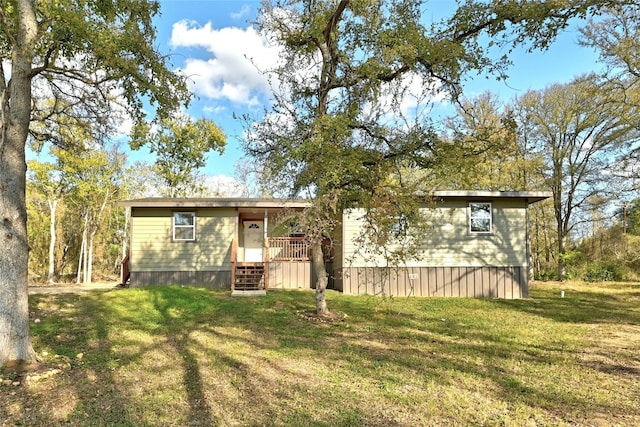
(15, 342)
(85, 254)
(123, 241)
(321, 277)
(53, 205)
(125, 233)
(95, 224)
(89, 266)
(83, 249)
(562, 266)
(15, 113)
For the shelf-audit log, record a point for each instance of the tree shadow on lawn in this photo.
(527, 370)
(72, 327)
(268, 382)
(125, 337)
(239, 359)
(579, 306)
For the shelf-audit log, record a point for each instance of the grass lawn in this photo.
(165, 356)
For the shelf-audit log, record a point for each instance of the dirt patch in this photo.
(34, 371)
(614, 350)
(330, 317)
(67, 288)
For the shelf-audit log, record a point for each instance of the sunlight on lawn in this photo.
(186, 356)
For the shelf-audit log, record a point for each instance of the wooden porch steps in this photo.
(249, 276)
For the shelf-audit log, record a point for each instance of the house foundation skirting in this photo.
(206, 279)
(289, 275)
(478, 282)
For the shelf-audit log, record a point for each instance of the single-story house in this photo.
(477, 246)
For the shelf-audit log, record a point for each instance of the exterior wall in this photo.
(289, 275)
(205, 279)
(337, 248)
(478, 282)
(451, 260)
(448, 241)
(153, 250)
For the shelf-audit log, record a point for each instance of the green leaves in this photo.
(97, 51)
(180, 146)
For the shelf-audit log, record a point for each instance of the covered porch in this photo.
(268, 253)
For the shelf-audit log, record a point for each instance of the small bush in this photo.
(602, 272)
(546, 275)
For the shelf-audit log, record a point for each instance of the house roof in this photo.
(201, 202)
(530, 196)
(238, 202)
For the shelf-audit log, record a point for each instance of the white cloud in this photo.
(213, 110)
(244, 11)
(233, 70)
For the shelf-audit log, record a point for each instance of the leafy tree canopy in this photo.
(91, 60)
(341, 130)
(180, 145)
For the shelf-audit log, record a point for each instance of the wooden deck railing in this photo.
(289, 249)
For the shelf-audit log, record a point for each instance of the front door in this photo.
(253, 240)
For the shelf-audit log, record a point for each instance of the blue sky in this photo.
(209, 39)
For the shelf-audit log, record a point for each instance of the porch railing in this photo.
(289, 249)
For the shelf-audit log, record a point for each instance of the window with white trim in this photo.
(480, 217)
(184, 226)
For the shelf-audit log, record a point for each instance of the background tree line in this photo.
(578, 140)
(75, 223)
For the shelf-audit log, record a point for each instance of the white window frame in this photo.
(175, 226)
(473, 217)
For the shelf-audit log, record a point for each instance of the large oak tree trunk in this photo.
(321, 277)
(15, 341)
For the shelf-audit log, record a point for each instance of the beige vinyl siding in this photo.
(152, 248)
(448, 242)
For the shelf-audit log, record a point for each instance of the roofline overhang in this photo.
(233, 202)
(530, 196)
(237, 202)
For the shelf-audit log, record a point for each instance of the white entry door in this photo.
(253, 240)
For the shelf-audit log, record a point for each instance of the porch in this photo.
(285, 264)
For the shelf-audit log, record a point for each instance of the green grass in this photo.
(185, 356)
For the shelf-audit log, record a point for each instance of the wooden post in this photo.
(265, 250)
(266, 263)
(234, 247)
(124, 270)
